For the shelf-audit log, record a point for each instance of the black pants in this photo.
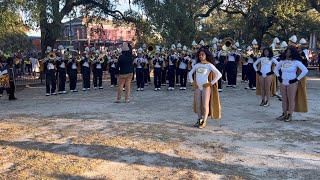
(86, 77)
(62, 79)
(51, 80)
(177, 76)
(163, 75)
(232, 73)
(113, 72)
(7, 89)
(220, 67)
(147, 75)
(251, 75)
(171, 75)
(140, 77)
(97, 74)
(73, 79)
(183, 77)
(133, 72)
(12, 90)
(224, 77)
(244, 72)
(157, 77)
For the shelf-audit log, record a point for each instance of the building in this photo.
(79, 34)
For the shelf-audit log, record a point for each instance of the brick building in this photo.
(78, 34)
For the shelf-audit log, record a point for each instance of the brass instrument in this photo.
(78, 58)
(101, 59)
(227, 43)
(151, 50)
(52, 56)
(69, 56)
(92, 57)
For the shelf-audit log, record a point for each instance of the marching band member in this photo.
(172, 61)
(146, 70)
(220, 60)
(182, 66)
(206, 96)
(163, 69)
(139, 63)
(85, 70)
(303, 48)
(50, 71)
(157, 63)
(113, 69)
(97, 70)
(266, 77)
(72, 70)
(61, 68)
(293, 85)
(251, 72)
(233, 58)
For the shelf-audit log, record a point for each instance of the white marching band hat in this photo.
(173, 46)
(237, 44)
(184, 48)
(302, 41)
(194, 43)
(201, 43)
(283, 45)
(179, 45)
(49, 49)
(293, 39)
(215, 40)
(254, 42)
(60, 47)
(276, 41)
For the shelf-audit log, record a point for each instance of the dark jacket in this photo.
(125, 63)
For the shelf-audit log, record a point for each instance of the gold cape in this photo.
(214, 103)
(301, 96)
(273, 87)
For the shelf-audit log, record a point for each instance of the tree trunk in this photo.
(49, 35)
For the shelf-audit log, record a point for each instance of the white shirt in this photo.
(85, 64)
(50, 66)
(98, 66)
(202, 74)
(157, 65)
(139, 61)
(183, 65)
(266, 64)
(250, 60)
(74, 66)
(62, 65)
(289, 70)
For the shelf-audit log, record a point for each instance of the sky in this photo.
(122, 6)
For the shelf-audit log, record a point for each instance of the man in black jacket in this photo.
(125, 64)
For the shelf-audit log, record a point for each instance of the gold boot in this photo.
(202, 124)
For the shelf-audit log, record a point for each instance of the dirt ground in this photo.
(86, 136)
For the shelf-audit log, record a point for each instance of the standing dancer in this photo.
(266, 77)
(206, 95)
(293, 85)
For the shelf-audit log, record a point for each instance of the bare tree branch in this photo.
(215, 4)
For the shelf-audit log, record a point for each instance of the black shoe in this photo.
(288, 118)
(262, 103)
(197, 123)
(282, 117)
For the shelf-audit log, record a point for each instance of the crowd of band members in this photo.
(169, 67)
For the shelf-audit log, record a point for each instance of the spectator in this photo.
(319, 61)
